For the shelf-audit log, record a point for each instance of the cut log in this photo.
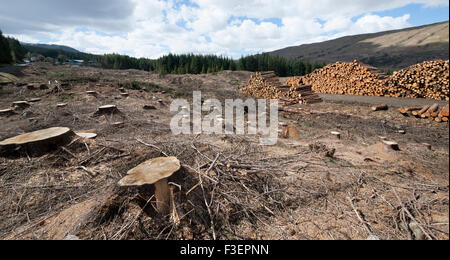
(422, 111)
(61, 105)
(38, 142)
(380, 108)
(124, 94)
(92, 93)
(433, 108)
(404, 111)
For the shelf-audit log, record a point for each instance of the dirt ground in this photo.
(313, 186)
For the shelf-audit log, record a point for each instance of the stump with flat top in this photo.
(336, 134)
(107, 110)
(154, 172)
(21, 105)
(92, 93)
(38, 142)
(7, 112)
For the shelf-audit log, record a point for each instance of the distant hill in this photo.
(51, 47)
(391, 49)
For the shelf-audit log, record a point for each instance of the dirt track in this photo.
(373, 100)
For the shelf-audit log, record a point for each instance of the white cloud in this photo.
(151, 28)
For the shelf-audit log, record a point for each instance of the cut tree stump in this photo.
(336, 134)
(21, 105)
(34, 100)
(107, 110)
(391, 146)
(7, 112)
(92, 93)
(38, 142)
(154, 172)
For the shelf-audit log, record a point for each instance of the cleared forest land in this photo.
(313, 184)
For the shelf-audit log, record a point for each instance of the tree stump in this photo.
(34, 100)
(21, 105)
(92, 93)
(7, 112)
(336, 134)
(38, 142)
(154, 172)
(107, 110)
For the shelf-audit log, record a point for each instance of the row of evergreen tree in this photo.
(11, 51)
(283, 67)
(201, 64)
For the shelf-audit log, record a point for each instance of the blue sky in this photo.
(151, 28)
(420, 14)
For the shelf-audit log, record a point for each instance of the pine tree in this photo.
(5, 51)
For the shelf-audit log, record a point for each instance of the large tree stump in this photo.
(38, 142)
(154, 172)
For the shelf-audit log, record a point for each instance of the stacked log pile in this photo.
(429, 80)
(432, 113)
(425, 80)
(345, 79)
(268, 86)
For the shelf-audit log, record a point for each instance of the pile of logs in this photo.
(429, 80)
(345, 79)
(268, 86)
(432, 113)
(425, 80)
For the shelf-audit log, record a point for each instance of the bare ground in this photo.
(230, 187)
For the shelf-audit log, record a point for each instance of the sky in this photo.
(233, 28)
